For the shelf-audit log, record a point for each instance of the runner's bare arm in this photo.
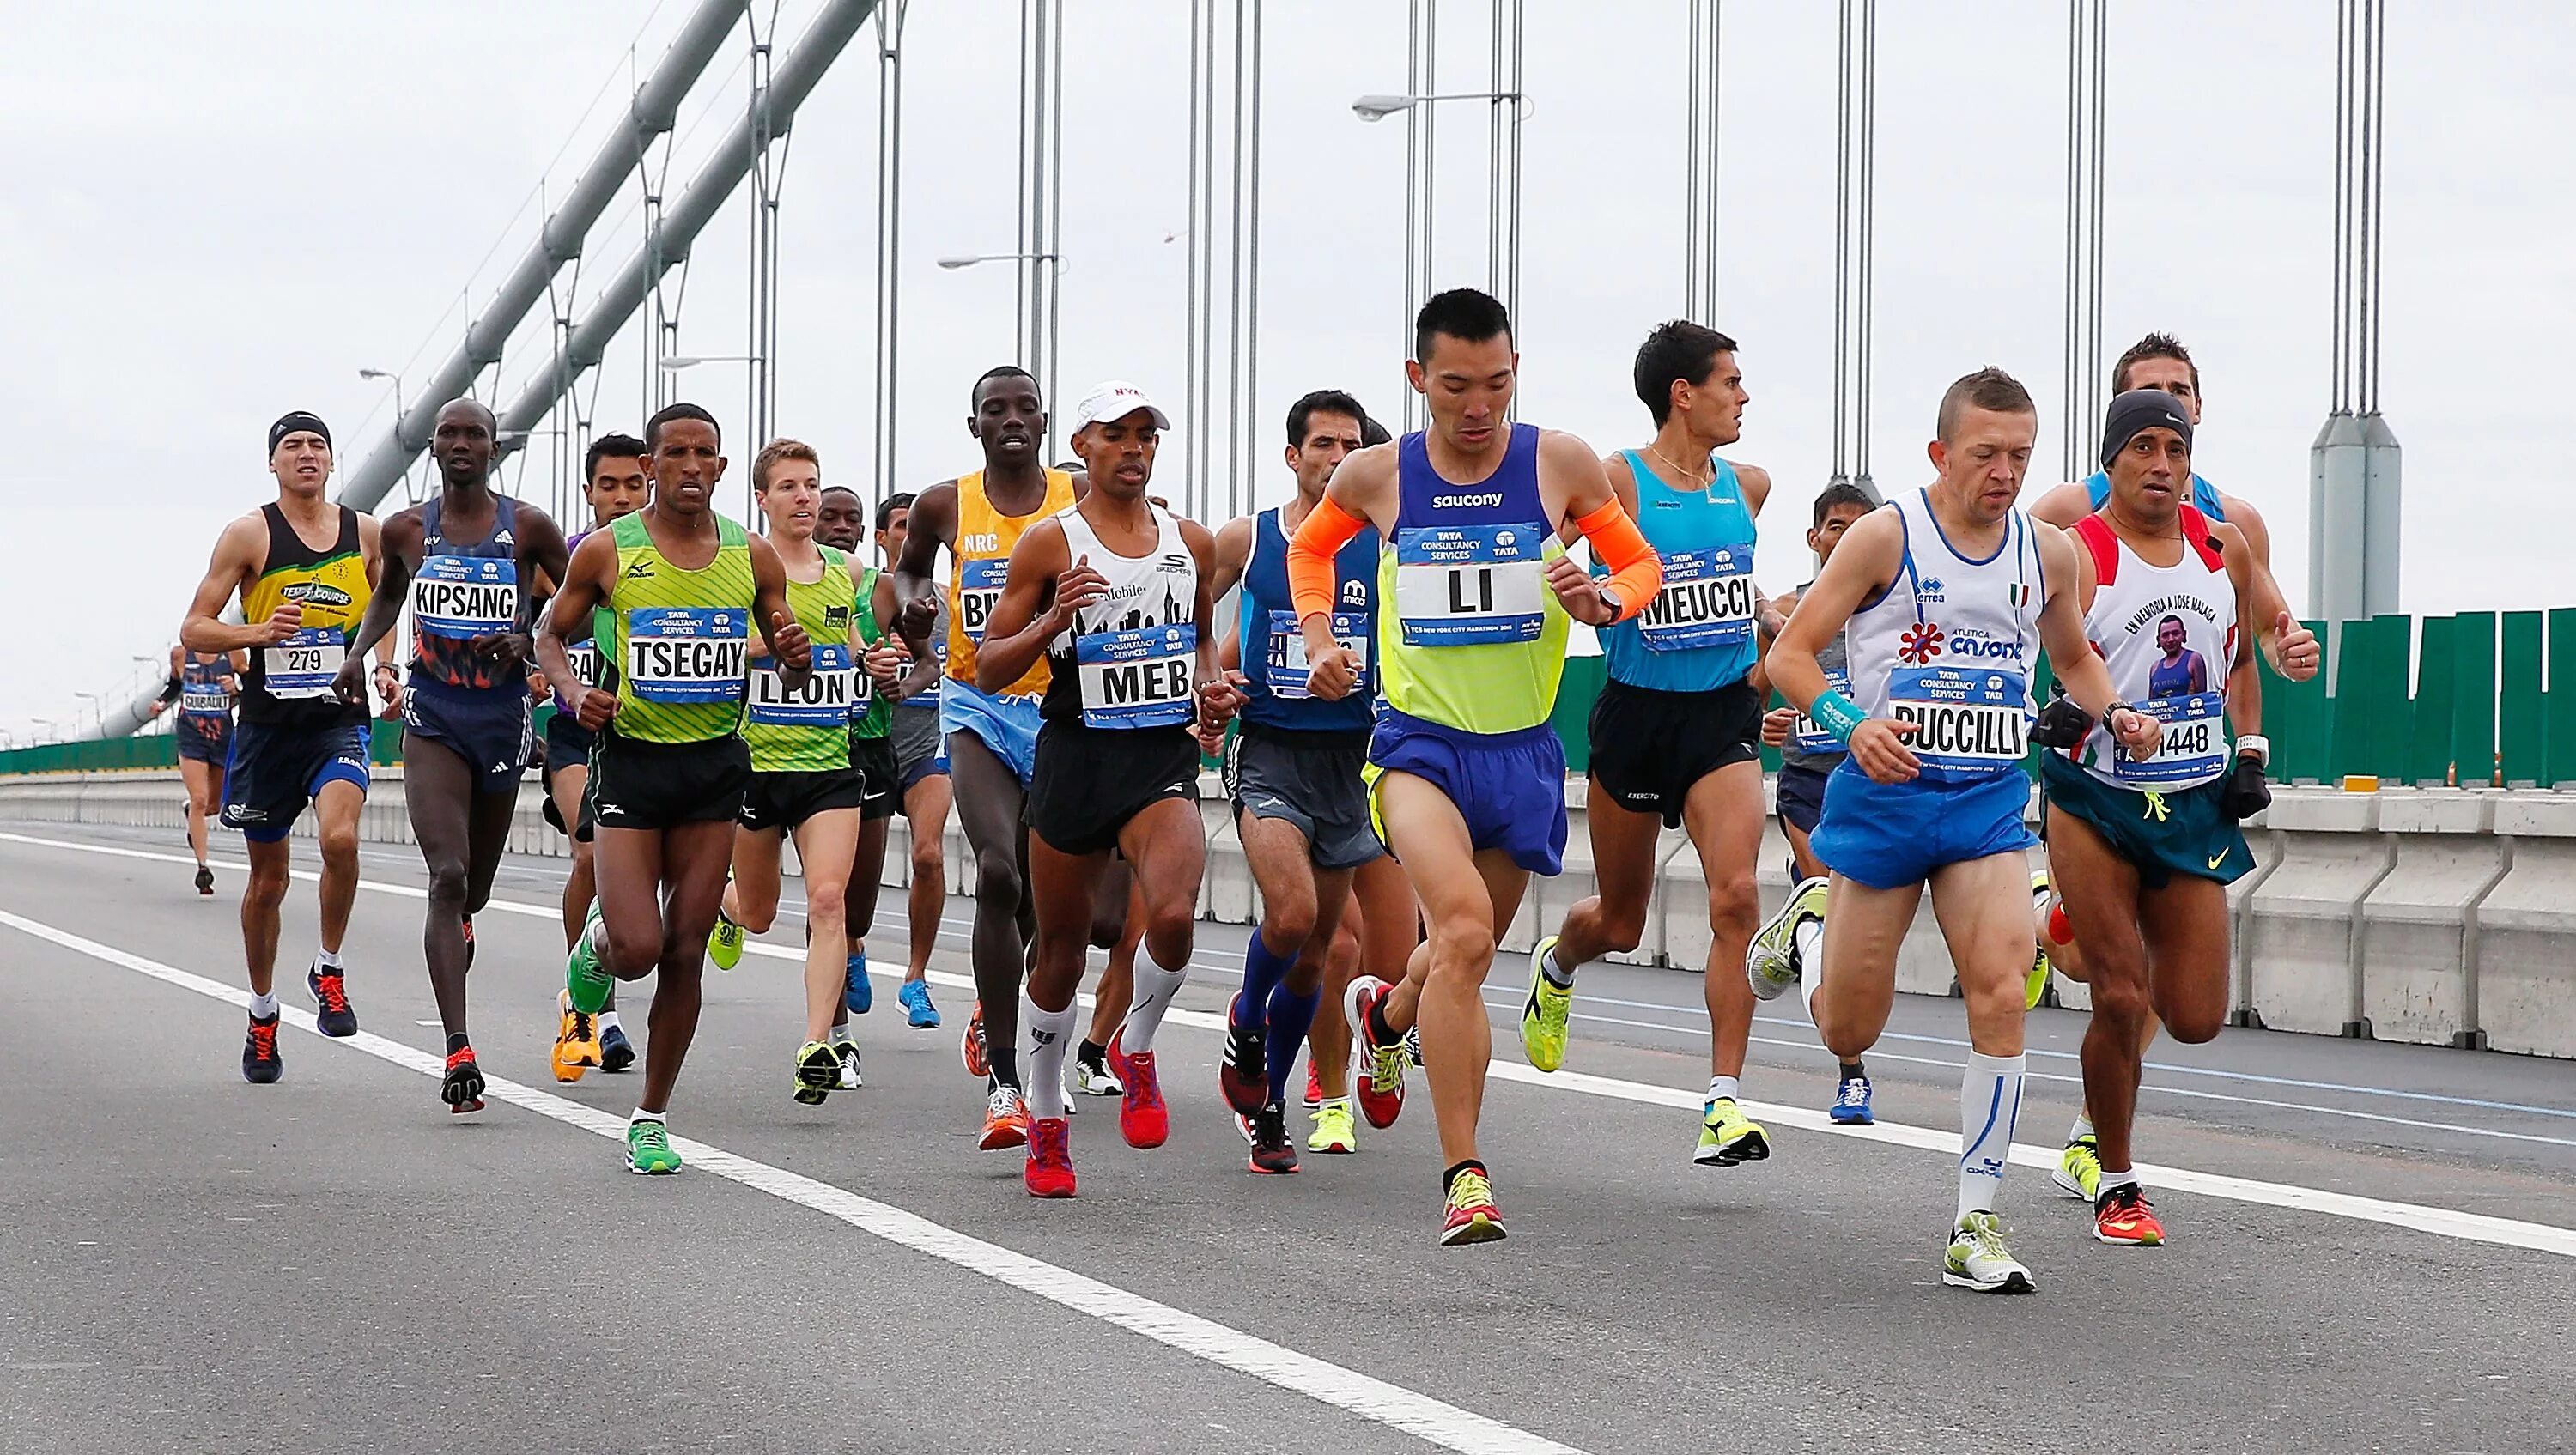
(588, 576)
(897, 682)
(1572, 478)
(1024, 620)
(1362, 494)
(400, 545)
(240, 553)
(2063, 505)
(933, 525)
(1862, 566)
(2263, 620)
(1221, 692)
(1233, 554)
(2086, 676)
(788, 645)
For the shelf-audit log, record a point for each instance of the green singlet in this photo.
(679, 639)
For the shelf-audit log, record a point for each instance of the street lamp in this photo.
(969, 260)
(1377, 106)
(674, 363)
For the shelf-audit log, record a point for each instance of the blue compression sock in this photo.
(1291, 1016)
(1264, 970)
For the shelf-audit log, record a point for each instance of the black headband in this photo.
(295, 421)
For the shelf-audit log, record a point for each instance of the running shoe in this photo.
(971, 1048)
(2078, 1172)
(919, 1013)
(576, 1046)
(1978, 1258)
(1006, 1120)
(585, 979)
(724, 942)
(1088, 1076)
(1143, 1119)
(1851, 1103)
(1314, 1084)
(857, 992)
(1271, 1150)
(261, 1063)
(1472, 1217)
(332, 1015)
(818, 1066)
(648, 1148)
(1334, 1131)
(1243, 1074)
(805, 1095)
(2034, 986)
(466, 927)
(463, 1088)
(1413, 1047)
(849, 1052)
(1049, 1170)
(205, 880)
(1727, 1136)
(1771, 961)
(616, 1053)
(1544, 1014)
(2121, 1215)
(1381, 1089)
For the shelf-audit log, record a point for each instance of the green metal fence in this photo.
(152, 750)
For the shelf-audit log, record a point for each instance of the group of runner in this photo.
(1380, 695)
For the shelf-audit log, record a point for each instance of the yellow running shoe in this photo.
(576, 1043)
(724, 942)
(1544, 1015)
(2078, 1173)
(1727, 1136)
(1335, 1130)
(2035, 985)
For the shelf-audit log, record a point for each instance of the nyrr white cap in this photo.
(1116, 399)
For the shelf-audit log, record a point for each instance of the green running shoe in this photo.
(648, 1148)
(2078, 1172)
(587, 983)
(1771, 961)
(818, 1066)
(1978, 1258)
(1727, 1136)
(1544, 1015)
(724, 942)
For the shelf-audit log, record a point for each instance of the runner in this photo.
(1115, 591)
(805, 780)
(304, 569)
(1299, 804)
(921, 762)
(1467, 780)
(207, 683)
(1676, 732)
(1808, 757)
(1949, 592)
(992, 735)
(462, 561)
(679, 589)
(616, 481)
(2143, 851)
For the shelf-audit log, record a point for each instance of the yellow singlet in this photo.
(985, 537)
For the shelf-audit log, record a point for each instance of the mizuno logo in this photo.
(640, 571)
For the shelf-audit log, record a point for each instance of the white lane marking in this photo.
(2442, 1222)
(1393, 1405)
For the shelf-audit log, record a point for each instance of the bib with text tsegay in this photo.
(465, 596)
(1469, 585)
(825, 700)
(1288, 669)
(685, 654)
(1964, 717)
(1137, 678)
(302, 666)
(2195, 747)
(1805, 736)
(1707, 601)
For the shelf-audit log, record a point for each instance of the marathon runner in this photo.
(1948, 592)
(680, 588)
(1114, 591)
(1467, 780)
(1676, 733)
(304, 568)
(462, 562)
(2142, 852)
(207, 683)
(921, 764)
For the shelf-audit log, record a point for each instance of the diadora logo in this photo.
(1920, 644)
(1465, 502)
(1928, 589)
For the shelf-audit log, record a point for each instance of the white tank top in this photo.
(2169, 635)
(1127, 660)
(1949, 646)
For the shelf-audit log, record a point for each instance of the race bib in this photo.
(1967, 719)
(1707, 601)
(2195, 746)
(465, 596)
(1460, 586)
(824, 701)
(979, 590)
(1138, 678)
(1288, 667)
(301, 667)
(1805, 737)
(682, 654)
(584, 657)
(207, 701)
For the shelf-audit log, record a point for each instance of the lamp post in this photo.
(1037, 341)
(397, 381)
(1378, 106)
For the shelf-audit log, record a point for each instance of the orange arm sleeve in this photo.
(1327, 529)
(1636, 573)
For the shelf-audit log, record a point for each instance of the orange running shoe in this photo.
(2121, 1215)
(971, 1049)
(1006, 1120)
(1049, 1172)
(1142, 1118)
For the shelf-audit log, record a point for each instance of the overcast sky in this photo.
(211, 214)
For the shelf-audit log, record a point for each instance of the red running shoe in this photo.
(972, 1048)
(1049, 1172)
(1243, 1074)
(463, 1088)
(1379, 1078)
(1142, 1118)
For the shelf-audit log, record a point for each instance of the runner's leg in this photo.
(1613, 918)
(1983, 906)
(1062, 886)
(925, 809)
(262, 894)
(989, 801)
(580, 884)
(1465, 894)
(825, 845)
(1724, 816)
(693, 857)
(335, 818)
(205, 799)
(750, 897)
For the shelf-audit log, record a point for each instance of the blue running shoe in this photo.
(1851, 1103)
(616, 1053)
(856, 993)
(921, 1014)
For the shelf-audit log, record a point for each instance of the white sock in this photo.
(840, 1035)
(1557, 975)
(1989, 1105)
(2083, 1128)
(2110, 1179)
(1155, 987)
(1809, 942)
(327, 959)
(1051, 1036)
(606, 1020)
(641, 1115)
(1723, 1088)
(263, 1007)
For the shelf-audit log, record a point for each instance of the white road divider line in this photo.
(1393, 1405)
(2439, 1221)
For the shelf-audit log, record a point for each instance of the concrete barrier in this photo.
(2304, 934)
(2524, 940)
(2418, 972)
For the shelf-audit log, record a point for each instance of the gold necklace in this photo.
(1683, 471)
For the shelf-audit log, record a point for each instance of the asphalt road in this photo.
(2372, 1245)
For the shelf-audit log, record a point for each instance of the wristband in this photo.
(2257, 744)
(1836, 714)
(389, 667)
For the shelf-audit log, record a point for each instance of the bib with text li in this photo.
(1805, 736)
(1707, 601)
(1969, 721)
(1460, 586)
(465, 596)
(979, 590)
(302, 666)
(683, 654)
(2195, 748)
(1139, 678)
(1288, 667)
(825, 699)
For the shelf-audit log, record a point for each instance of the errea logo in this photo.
(1929, 589)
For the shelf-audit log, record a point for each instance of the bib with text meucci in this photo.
(979, 590)
(1805, 736)
(302, 666)
(1288, 667)
(1470, 585)
(1707, 601)
(824, 700)
(2195, 741)
(1967, 719)
(465, 596)
(680, 654)
(1139, 678)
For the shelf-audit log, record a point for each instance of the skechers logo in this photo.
(1465, 502)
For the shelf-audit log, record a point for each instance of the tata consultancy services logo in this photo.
(1920, 644)
(1928, 589)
